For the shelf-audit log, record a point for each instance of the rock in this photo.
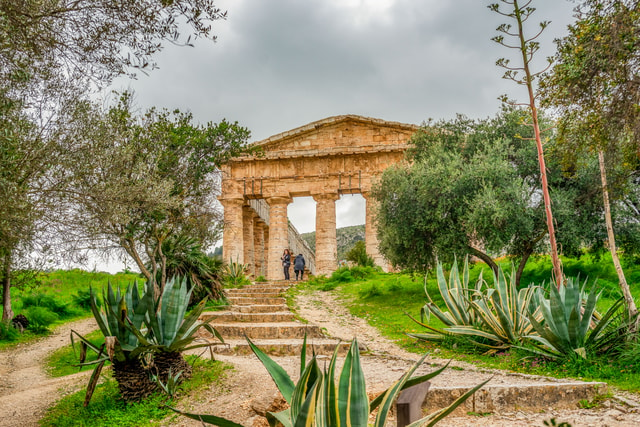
(264, 404)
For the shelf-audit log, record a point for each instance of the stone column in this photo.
(326, 245)
(265, 265)
(232, 239)
(247, 225)
(278, 235)
(258, 244)
(371, 233)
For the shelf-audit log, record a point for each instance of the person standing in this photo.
(298, 266)
(286, 263)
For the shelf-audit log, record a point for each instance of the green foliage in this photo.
(184, 257)
(64, 361)
(40, 318)
(82, 299)
(261, 278)
(40, 299)
(358, 254)
(107, 408)
(571, 323)
(494, 316)
(173, 381)
(318, 400)
(471, 181)
(407, 292)
(8, 332)
(234, 276)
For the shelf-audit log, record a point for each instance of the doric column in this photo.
(278, 235)
(258, 244)
(371, 233)
(232, 239)
(247, 225)
(326, 245)
(265, 265)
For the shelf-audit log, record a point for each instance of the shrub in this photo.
(40, 318)
(82, 299)
(341, 275)
(47, 301)
(8, 332)
(358, 254)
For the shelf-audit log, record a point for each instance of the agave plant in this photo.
(171, 331)
(497, 316)
(318, 400)
(120, 322)
(571, 323)
(457, 297)
(503, 310)
(146, 338)
(235, 273)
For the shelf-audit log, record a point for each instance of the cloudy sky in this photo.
(281, 64)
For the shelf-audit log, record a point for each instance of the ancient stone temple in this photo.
(324, 159)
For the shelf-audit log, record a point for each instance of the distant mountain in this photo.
(345, 236)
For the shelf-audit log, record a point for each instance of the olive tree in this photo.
(471, 187)
(138, 179)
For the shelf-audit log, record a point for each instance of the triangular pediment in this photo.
(336, 134)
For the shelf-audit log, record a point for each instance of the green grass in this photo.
(384, 300)
(106, 408)
(61, 362)
(60, 287)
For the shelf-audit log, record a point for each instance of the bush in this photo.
(82, 299)
(358, 254)
(40, 318)
(47, 301)
(341, 275)
(8, 332)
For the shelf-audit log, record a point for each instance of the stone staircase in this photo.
(260, 313)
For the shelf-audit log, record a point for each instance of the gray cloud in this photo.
(280, 64)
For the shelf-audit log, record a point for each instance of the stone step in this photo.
(233, 316)
(252, 290)
(258, 295)
(513, 397)
(256, 301)
(283, 347)
(260, 308)
(281, 330)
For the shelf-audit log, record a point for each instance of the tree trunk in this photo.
(555, 259)
(628, 298)
(484, 257)
(7, 312)
(521, 265)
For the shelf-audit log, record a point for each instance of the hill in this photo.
(346, 237)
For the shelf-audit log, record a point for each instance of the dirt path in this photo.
(26, 391)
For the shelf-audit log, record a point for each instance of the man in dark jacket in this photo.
(298, 266)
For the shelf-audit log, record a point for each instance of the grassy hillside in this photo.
(345, 236)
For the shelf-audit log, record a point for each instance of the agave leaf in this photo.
(603, 323)
(303, 354)
(432, 419)
(573, 327)
(392, 392)
(279, 375)
(306, 415)
(280, 418)
(409, 383)
(310, 376)
(331, 393)
(211, 419)
(353, 403)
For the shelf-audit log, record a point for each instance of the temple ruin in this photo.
(324, 159)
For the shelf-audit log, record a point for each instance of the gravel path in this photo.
(26, 390)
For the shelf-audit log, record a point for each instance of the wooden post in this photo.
(409, 404)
